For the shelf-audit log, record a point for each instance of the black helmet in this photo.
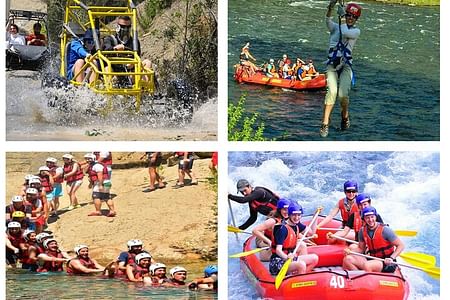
(242, 184)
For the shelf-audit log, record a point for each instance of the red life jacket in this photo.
(107, 161)
(358, 223)
(39, 249)
(25, 257)
(45, 183)
(139, 271)
(58, 179)
(267, 203)
(378, 246)
(346, 213)
(86, 263)
(15, 240)
(52, 266)
(269, 232)
(289, 243)
(77, 176)
(93, 175)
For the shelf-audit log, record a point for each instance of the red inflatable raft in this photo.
(241, 75)
(328, 280)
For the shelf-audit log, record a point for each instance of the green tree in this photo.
(241, 127)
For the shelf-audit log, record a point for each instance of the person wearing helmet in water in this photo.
(29, 251)
(140, 268)
(263, 231)
(260, 200)
(355, 221)
(13, 240)
(52, 257)
(208, 282)
(56, 173)
(37, 212)
(177, 276)
(380, 241)
(18, 204)
(284, 241)
(40, 239)
(80, 52)
(83, 264)
(339, 66)
(127, 257)
(345, 206)
(100, 184)
(73, 175)
(158, 274)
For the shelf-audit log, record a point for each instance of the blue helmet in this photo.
(283, 203)
(368, 211)
(362, 198)
(350, 185)
(209, 270)
(295, 208)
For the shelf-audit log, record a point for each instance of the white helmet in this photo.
(34, 179)
(29, 176)
(68, 156)
(42, 236)
(48, 241)
(14, 224)
(78, 248)
(177, 269)
(16, 199)
(156, 266)
(32, 191)
(141, 256)
(26, 233)
(133, 243)
(44, 168)
(51, 159)
(90, 156)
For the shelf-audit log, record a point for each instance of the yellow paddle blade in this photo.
(405, 232)
(247, 253)
(418, 259)
(434, 272)
(233, 229)
(282, 273)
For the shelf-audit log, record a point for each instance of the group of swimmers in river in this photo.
(299, 70)
(41, 253)
(282, 230)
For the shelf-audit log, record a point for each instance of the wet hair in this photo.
(37, 25)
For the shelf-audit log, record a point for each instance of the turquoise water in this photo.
(396, 63)
(26, 285)
(404, 188)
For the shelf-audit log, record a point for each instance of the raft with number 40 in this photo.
(316, 83)
(328, 280)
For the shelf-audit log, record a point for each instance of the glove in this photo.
(340, 11)
(332, 3)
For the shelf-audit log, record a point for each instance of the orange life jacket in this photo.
(346, 213)
(378, 246)
(289, 243)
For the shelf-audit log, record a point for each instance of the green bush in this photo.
(241, 127)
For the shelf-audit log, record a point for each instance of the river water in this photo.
(404, 187)
(396, 64)
(27, 285)
(29, 118)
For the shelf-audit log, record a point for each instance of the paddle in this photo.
(250, 252)
(434, 272)
(288, 262)
(418, 259)
(232, 218)
(231, 228)
(397, 232)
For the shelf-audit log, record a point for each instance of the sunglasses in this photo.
(125, 26)
(351, 16)
(350, 191)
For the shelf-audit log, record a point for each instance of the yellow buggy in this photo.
(115, 72)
